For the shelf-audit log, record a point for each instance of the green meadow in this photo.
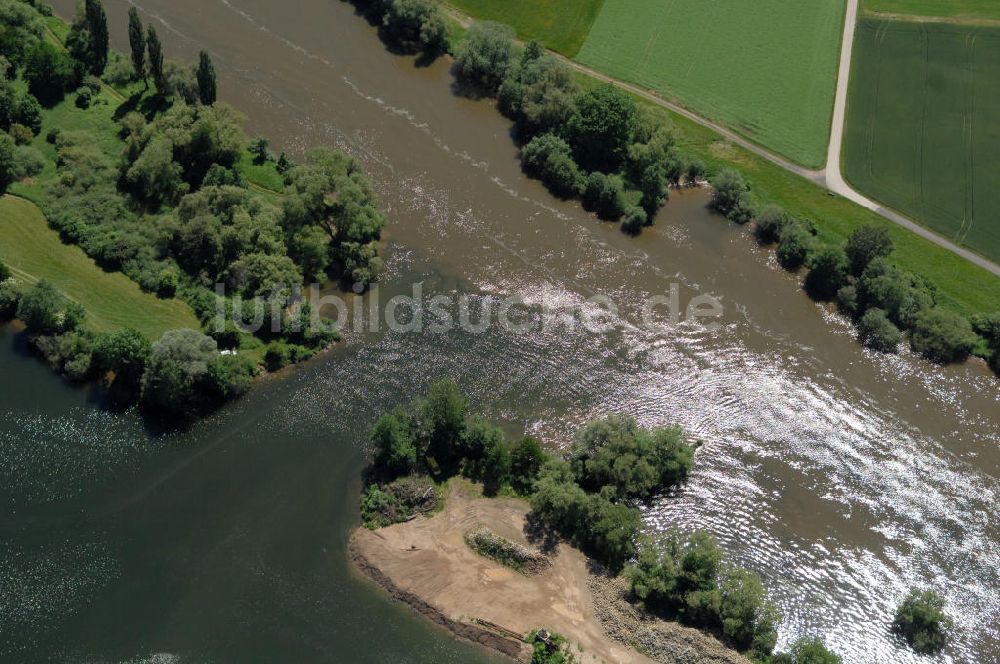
(923, 129)
(34, 252)
(960, 9)
(561, 25)
(766, 68)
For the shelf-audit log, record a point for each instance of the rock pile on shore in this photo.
(663, 641)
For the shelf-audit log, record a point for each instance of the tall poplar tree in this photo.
(206, 79)
(155, 50)
(97, 26)
(137, 41)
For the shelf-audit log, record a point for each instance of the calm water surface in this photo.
(839, 475)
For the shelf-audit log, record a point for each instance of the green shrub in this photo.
(22, 135)
(10, 296)
(731, 195)
(867, 244)
(828, 270)
(794, 243)
(942, 336)
(807, 650)
(605, 195)
(526, 461)
(602, 127)
(616, 452)
(769, 223)
(277, 356)
(922, 621)
(486, 56)
(635, 220)
(415, 25)
(549, 158)
(877, 332)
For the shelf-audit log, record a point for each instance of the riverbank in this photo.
(426, 564)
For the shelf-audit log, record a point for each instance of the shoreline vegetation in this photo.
(588, 499)
(593, 141)
(133, 160)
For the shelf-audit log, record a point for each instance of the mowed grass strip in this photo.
(766, 68)
(561, 25)
(34, 252)
(923, 128)
(958, 9)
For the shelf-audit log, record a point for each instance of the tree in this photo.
(605, 195)
(877, 332)
(770, 221)
(602, 127)
(634, 219)
(921, 620)
(616, 452)
(206, 79)
(526, 461)
(137, 42)
(807, 650)
(155, 51)
(97, 26)
(44, 311)
(9, 166)
(749, 620)
(48, 71)
(123, 354)
(396, 450)
(794, 242)
(653, 186)
(496, 466)
(865, 245)
(415, 25)
(486, 56)
(155, 176)
(444, 415)
(731, 195)
(827, 272)
(942, 336)
(901, 294)
(177, 363)
(549, 158)
(259, 149)
(539, 93)
(5, 272)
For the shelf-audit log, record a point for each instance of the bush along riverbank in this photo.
(133, 160)
(588, 497)
(883, 300)
(595, 142)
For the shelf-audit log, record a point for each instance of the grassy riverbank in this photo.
(34, 252)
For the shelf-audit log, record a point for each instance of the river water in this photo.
(839, 475)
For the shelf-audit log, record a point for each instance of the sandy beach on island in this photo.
(427, 564)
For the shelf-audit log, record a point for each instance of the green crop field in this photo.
(34, 251)
(561, 25)
(766, 68)
(923, 127)
(961, 9)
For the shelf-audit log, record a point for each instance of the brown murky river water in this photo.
(841, 476)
